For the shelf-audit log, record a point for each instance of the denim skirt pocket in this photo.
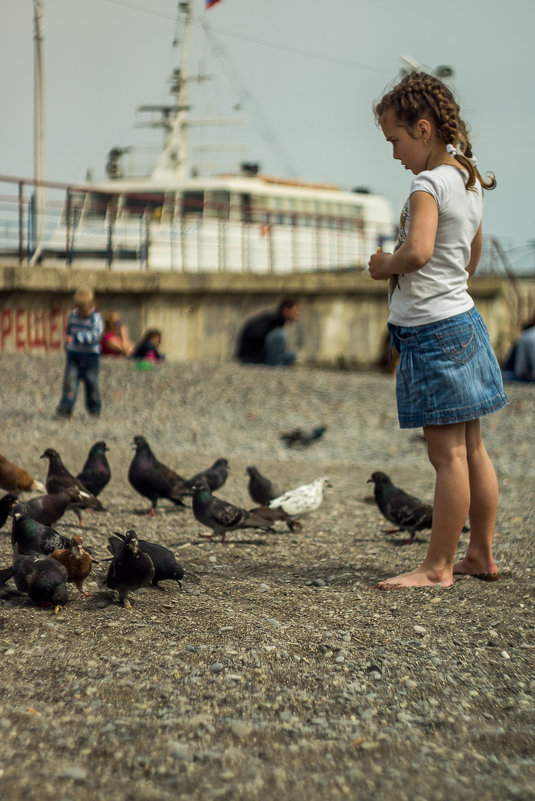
(458, 344)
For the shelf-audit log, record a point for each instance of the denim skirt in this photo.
(447, 372)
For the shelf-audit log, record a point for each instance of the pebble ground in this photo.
(277, 671)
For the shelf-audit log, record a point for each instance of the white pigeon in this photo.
(302, 499)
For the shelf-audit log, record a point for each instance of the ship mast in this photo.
(174, 156)
(39, 170)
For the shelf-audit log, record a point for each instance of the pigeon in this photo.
(274, 515)
(303, 499)
(215, 476)
(303, 438)
(130, 568)
(261, 489)
(152, 479)
(406, 511)
(76, 560)
(29, 536)
(6, 502)
(96, 471)
(222, 516)
(165, 564)
(49, 508)
(58, 478)
(42, 578)
(16, 479)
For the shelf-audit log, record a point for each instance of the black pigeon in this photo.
(406, 511)
(59, 478)
(130, 568)
(41, 577)
(49, 508)
(152, 479)
(302, 438)
(96, 471)
(261, 489)
(29, 536)
(6, 502)
(164, 561)
(215, 476)
(221, 516)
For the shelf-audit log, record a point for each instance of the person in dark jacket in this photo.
(262, 340)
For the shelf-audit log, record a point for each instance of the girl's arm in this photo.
(475, 251)
(419, 245)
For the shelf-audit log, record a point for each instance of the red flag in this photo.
(210, 3)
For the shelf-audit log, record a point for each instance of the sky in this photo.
(304, 74)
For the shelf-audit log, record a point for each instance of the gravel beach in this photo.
(276, 671)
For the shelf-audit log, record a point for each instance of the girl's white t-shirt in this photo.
(438, 290)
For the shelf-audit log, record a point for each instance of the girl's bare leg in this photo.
(479, 560)
(447, 452)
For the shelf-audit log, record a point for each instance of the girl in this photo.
(448, 376)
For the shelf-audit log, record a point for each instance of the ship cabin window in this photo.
(139, 205)
(96, 205)
(217, 204)
(192, 203)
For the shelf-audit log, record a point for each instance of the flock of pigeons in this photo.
(44, 560)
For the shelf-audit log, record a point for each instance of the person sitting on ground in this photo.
(115, 340)
(262, 340)
(520, 365)
(147, 348)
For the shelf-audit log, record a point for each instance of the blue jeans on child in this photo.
(81, 367)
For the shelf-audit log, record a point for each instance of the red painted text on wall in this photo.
(32, 329)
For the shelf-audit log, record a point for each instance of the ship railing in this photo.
(39, 224)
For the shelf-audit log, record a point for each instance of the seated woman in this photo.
(147, 348)
(115, 340)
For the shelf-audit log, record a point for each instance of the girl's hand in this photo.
(379, 266)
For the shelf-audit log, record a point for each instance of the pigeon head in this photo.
(201, 485)
(98, 448)
(59, 596)
(221, 463)
(378, 478)
(77, 546)
(324, 481)
(140, 443)
(50, 453)
(131, 540)
(18, 511)
(251, 471)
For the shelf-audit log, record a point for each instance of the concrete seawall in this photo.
(342, 324)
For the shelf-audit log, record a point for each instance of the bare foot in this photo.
(485, 570)
(416, 578)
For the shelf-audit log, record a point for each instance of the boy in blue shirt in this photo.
(83, 333)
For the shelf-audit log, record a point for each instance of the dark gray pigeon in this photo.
(222, 516)
(6, 503)
(130, 568)
(405, 511)
(96, 471)
(41, 577)
(303, 438)
(261, 489)
(152, 479)
(215, 476)
(164, 561)
(58, 478)
(28, 536)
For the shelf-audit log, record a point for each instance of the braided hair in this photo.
(419, 95)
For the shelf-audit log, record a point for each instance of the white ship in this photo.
(242, 222)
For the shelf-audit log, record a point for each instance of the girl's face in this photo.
(409, 145)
